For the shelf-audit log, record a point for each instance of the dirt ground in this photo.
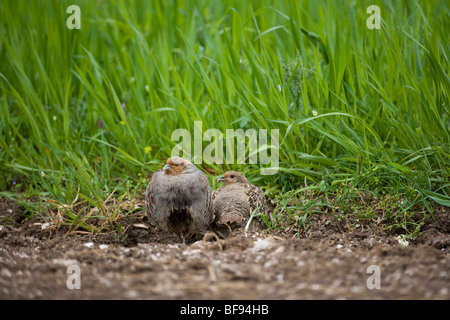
(326, 261)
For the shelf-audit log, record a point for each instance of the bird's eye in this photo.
(232, 176)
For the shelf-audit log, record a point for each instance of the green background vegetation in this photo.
(87, 112)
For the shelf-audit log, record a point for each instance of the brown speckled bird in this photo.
(234, 203)
(178, 198)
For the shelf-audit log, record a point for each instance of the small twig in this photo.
(250, 219)
(76, 198)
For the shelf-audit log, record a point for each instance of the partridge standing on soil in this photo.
(178, 198)
(234, 203)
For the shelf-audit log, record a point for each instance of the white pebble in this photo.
(89, 245)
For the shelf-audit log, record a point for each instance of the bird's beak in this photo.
(221, 179)
(166, 167)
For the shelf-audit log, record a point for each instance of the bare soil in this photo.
(327, 260)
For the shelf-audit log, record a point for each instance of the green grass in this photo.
(85, 112)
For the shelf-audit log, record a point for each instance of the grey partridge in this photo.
(234, 203)
(178, 198)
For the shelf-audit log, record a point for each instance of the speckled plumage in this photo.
(178, 198)
(236, 200)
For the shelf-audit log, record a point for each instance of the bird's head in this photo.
(230, 177)
(176, 165)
